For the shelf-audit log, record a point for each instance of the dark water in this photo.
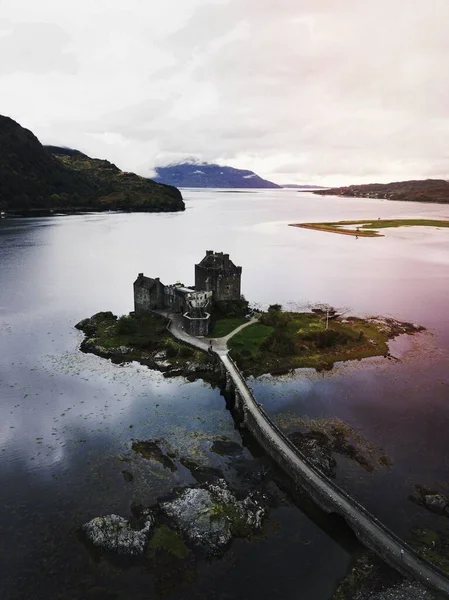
(67, 420)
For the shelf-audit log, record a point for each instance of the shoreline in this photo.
(370, 227)
(336, 230)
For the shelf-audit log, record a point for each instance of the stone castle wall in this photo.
(224, 284)
(147, 298)
(198, 327)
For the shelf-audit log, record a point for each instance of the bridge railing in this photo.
(332, 486)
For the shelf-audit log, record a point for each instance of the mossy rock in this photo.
(166, 539)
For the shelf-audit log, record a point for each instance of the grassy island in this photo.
(144, 339)
(369, 228)
(282, 341)
(279, 342)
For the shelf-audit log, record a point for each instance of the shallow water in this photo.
(67, 419)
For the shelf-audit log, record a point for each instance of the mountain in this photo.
(35, 178)
(425, 190)
(204, 175)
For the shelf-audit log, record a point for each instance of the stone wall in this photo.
(173, 300)
(225, 285)
(148, 294)
(196, 326)
(218, 274)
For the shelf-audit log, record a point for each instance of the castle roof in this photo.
(146, 282)
(218, 260)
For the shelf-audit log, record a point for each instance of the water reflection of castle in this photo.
(217, 279)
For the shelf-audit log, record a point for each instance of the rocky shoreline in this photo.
(206, 518)
(196, 520)
(163, 354)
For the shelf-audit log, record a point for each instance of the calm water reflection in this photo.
(67, 419)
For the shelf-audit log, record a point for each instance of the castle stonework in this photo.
(148, 294)
(218, 274)
(216, 278)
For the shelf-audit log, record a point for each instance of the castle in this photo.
(217, 280)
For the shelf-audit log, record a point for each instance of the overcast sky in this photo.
(308, 91)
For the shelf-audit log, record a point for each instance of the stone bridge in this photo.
(325, 493)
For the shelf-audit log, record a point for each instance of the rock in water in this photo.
(431, 499)
(115, 534)
(210, 516)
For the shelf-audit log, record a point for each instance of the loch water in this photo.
(67, 419)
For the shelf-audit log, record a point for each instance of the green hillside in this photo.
(34, 179)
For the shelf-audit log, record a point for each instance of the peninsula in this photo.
(426, 190)
(369, 228)
(37, 180)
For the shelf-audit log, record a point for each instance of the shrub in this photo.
(231, 308)
(275, 308)
(237, 357)
(330, 338)
(126, 325)
(278, 342)
(274, 317)
(185, 352)
(171, 351)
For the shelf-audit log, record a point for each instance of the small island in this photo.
(369, 228)
(172, 328)
(178, 330)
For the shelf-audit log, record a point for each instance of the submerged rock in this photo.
(115, 534)
(317, 447)
(226, 447)
(431, 499)
(127, 476)
(151, 451)
(202, 473)
(208, 517)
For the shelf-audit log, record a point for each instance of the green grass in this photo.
(146, 331)
(301, 340)
(250, 338)
(223, 327)
(368, 228)
(145, 334)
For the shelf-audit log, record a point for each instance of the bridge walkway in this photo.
(368, 528)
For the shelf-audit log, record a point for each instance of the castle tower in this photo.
(196, 319)
(218, 274)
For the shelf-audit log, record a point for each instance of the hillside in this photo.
(196, 174)
(34, 178)
(426, 190)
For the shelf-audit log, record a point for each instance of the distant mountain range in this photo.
(423, 190)
(204, 175)
(36, 178)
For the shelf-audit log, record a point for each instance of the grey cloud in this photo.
(35, 48)
(322, 91)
